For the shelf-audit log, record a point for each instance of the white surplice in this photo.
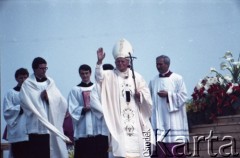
(16, 123)
(127, 121)
(169, 114)
(91, 123)
(43, 118)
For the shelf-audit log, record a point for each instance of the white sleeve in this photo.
(10, 110)
(96, 106)
(75, 105)
(99, 73)
(177, 98)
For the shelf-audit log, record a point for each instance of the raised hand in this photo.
(100, 55)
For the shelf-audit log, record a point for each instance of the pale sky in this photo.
(195, 34)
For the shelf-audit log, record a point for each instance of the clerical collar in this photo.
(83, 84)
(167, 74)
(41, 79)
(17, 88)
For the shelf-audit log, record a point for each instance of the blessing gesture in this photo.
(100, 55)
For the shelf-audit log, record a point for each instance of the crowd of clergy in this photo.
(117, 116)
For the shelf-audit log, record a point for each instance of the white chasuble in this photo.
(128, 120)
(129, 117)
(50, 117)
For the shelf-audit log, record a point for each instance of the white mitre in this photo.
(122, 49)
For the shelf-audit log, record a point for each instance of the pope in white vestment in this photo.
(126, 108)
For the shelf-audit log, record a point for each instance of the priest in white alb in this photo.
(45, 109)
(126, 103)
(169, 119)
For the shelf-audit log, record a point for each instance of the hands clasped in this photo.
(162, 93)
(44, 96)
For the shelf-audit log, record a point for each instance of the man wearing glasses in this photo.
(45, 108)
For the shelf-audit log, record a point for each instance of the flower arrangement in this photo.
(220, 94)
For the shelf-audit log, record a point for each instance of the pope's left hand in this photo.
(137, 96)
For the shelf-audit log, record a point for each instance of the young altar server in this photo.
(16, 118)
(90, 130)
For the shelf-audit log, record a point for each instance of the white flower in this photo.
(212, 69)
(224, 66)
(209, 81)
(232, 66)
(230, 90)
(206, 87)
(199, 85)
(212, 80)
(221, 81)
(235, 84)
(228, 54)
(237, 64)
(228, 78)
(230, 59)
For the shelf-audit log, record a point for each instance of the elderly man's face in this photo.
(161, 66)
(122, 64)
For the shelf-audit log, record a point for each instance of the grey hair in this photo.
(165, 58)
